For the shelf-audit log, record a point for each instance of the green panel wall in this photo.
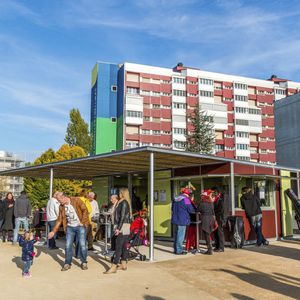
(106, 139)
(286, 206)
(162, 209)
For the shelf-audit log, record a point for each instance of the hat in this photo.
(186, 191)
(114, 191)
(206, 195)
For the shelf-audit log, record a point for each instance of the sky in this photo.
(48, 48)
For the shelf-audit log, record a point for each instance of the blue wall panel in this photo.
(121, 77)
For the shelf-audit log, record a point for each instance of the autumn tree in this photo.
(78, 132)
(201, 138)
(38, 188)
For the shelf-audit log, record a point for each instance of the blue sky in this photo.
(48, 48)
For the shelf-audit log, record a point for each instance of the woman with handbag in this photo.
(122, 220)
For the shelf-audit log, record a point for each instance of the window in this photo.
(242, 134)
(156, 145)
(166, 132)
(132, 90)
(219, 135)
(132, 77)
(179, 131)
(206, 94)
(227, 99)
(240, 98)
(179, 80)
(146, 118)
(134, 114)
(114, 88)
(165, 94)
(132, 144)
(166, 81)
(241, 110)
(179, 93)
(242, 122)
(145, 131)
(155, 106)
(155, 81)
(155, 94)
(146, 80)
(166, 106)
(114, 119)
(254, 111)
(243, 158)
(242, 146)
(156, 132)
(265, 191)
(132, 130)
(206, 81)
(145, 144)
(279, 92)
(179, 144)
(145, 93)
(219, 148)
(240, 86)
(179, 105)
(156, 120)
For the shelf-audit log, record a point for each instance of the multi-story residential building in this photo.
(10, 184)
(287, 112)
(137, 105)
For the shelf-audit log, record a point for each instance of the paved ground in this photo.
(253, 273)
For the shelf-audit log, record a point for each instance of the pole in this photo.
(232, 189)
(151, 173)
(50, 196)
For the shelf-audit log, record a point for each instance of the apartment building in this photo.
(10, 184)
(135, 105)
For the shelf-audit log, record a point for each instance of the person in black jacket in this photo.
(8, 217)
(121, 221)
(2, 207)
(219, 213)
(251, 204)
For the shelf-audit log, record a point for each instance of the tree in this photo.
(37, 189)
(78, 132)
(201, 139)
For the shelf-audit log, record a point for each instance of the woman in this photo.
(208, 219)
(121, 221)
(8, 223)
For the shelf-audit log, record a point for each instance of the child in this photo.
(26, 242)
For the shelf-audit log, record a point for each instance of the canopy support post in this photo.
(232, 189)
(50, 196)
(151, 193)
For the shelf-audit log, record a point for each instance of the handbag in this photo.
(125, 229)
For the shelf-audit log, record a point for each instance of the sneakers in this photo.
(84, 266)
(218, 250)
(26, 275)
(66, 267)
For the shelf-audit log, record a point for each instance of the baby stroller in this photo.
(138, 236)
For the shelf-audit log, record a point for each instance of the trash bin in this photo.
(236, 231)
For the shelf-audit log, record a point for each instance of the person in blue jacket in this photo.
(26, 242)
(181, 210)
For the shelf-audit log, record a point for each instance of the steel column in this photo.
(232, 188)
(151, 198)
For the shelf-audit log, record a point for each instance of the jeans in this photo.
(27, 265)
(256, 222)
(121, 252)
(78, 232)
(51, 242)
(18, 221)
(179, 238)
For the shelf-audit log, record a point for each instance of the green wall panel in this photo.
(106, 139)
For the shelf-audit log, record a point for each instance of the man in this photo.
(94, 219)
(52, 215)
(181, 210)
(22, 212)
(219, 214)
(251, 204)
(73, 215)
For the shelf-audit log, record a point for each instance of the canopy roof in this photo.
(120, 162)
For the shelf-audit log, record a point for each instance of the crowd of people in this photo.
(79, 216)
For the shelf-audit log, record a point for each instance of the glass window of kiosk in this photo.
(264, 189)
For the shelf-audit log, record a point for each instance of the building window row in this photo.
(179, 93)
(179, 144)
(133, 90)
(179, 80)
(240, 86)
(240, 98)
(242, 146)
(280, 92)
(247, 158)
(179, 105)
(206, 94)
(179, 131)
(134, 114)
(206, 81)
(242, 134)
(241, 122)
(219, 148)
(245, 110)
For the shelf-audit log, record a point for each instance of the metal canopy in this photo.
(121, 162)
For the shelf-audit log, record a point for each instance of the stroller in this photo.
(138, 236)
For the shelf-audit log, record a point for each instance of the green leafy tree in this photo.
(201, 138)
(78, 132)
(37, 189)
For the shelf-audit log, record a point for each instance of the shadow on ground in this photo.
(277, 283)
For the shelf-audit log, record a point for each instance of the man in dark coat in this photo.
(251, 204)
(219, 213)
(181, 210)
